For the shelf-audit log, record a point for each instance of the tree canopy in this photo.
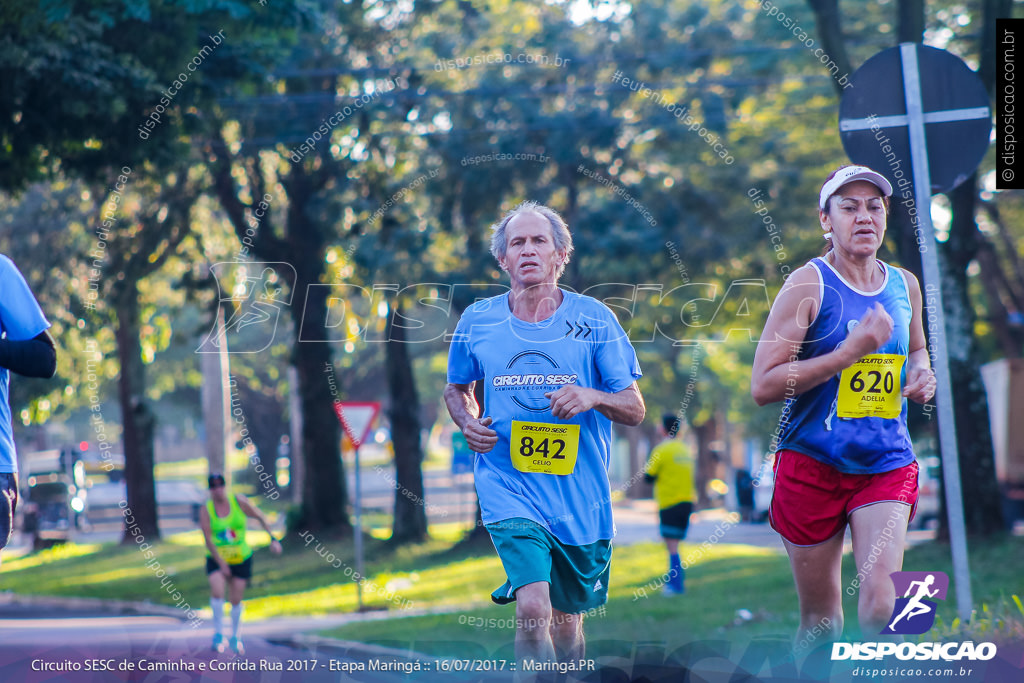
(356, 153)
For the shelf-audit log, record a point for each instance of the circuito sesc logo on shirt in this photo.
(529, 375)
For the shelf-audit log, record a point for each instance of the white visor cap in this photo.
(848, 175)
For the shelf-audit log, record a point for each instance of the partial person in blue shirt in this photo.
(557, 370)
(27, 349)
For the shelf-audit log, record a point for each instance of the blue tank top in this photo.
(857, 420)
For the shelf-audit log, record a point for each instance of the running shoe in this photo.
(236, 646)
(218, 642)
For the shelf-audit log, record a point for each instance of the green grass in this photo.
(723, 581)
(436, 577)
(300, 582)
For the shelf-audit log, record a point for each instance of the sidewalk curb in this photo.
(349, 649)
(352, 648)
(92, 605)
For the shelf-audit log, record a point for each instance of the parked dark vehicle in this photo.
(53, 507)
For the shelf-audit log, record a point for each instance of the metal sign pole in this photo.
(944, 389)
(362, 415)
(359, 532)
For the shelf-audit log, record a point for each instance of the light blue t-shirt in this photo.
(518, 361)
(20, 319)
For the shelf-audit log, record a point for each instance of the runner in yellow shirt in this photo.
(671, 469)
(223, 521)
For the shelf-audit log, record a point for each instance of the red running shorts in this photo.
(812, 501)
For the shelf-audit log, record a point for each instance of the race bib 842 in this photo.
(543, 448)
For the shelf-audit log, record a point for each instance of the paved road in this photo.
(55, 645)
(59, 645)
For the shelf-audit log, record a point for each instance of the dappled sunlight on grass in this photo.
(450, 532)
(320, 601)
(466, 582)
(195, 538)
(109, 571)
(645, 562)
(58, 552)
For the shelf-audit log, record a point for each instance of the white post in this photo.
(215, 398)
(944, 390)
(297, 465)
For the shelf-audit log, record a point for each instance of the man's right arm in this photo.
(463, 408)
(36, 357)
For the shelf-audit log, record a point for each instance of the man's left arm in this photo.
(625, 407)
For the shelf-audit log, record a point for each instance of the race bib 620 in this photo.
(543, 448)
(871, 387)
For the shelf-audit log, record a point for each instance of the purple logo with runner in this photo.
(915, 610)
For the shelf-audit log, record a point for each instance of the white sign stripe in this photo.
(945, 116)
(956, 115)
(865, 124)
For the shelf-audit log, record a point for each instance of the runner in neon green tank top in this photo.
(229, 564)
(229, 533)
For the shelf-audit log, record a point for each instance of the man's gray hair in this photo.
(559, 231)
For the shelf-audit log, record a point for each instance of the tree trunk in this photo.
(983, 513)
(910, 21)
(266, 448)
(1014, 276)
(325, 494)
(138, 421)
(410, 522)
(830, 33)
(705, 433)
(265, 422)
(994, 282)
(636, 486)
(988, 44)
